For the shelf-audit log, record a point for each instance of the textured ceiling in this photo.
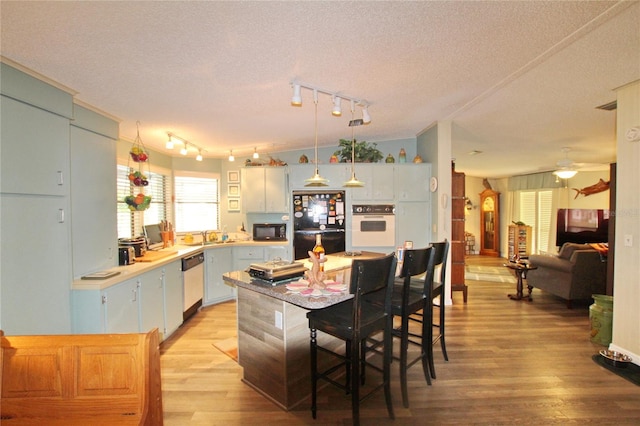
(518, 79)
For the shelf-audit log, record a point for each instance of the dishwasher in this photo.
(192, 284)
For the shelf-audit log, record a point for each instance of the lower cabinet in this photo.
(217, 262)
(151, 297)
(121, 309)
(245, 256)
(172, 297)
(150, 300)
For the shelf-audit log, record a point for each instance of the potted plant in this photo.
(364, 152)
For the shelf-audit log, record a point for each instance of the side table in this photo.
(520, 271)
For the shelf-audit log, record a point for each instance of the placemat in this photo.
(631, 372)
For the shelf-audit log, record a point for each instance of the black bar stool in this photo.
(353, 321)
(410, 296)
(440, 260)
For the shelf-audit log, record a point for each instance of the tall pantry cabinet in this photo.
(35, 245)
(457, 233)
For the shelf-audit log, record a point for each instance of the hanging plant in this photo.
(364, 152)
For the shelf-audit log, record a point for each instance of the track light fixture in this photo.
(353, 182)
(185, 145)
(337, 109)
(296, 100)
(336, 98)
(255, 153)
(231, 157)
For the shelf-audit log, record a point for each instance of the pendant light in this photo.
(353, 182)
(316, 179)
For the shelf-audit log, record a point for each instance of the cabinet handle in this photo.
(104, 299)
(60, 178)
(60, 215)
(134, 294)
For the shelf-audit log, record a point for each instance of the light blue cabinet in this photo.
(413, 221)
(378, 181)
(245, 256)
(151, 297)
(264, 189)
(172, 297)
(412, 182)
(121, 308)
(217, 262)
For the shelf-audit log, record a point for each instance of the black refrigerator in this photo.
(318, 212)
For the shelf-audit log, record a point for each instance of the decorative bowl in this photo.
(617, 359)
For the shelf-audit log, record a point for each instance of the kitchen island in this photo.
(273, 331)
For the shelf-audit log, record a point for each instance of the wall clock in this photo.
(433, 184)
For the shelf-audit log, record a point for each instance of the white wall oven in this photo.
(374, 225)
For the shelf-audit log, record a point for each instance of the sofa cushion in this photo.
(568, 248)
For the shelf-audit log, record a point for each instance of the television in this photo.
(582, 226)
(153, 236)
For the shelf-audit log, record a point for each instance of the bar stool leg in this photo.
(314, 372)
(355, 382)
(404, 347)
(388, 358)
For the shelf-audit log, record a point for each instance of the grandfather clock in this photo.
(490, 223)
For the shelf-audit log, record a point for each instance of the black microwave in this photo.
(269, 232)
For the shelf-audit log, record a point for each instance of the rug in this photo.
(228, 347)
(630, 373)
(500, 274)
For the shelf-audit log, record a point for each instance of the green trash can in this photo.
(601, 318)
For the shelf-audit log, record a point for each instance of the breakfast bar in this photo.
(273, 331)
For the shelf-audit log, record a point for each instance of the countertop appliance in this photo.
(318, 212)
(275, 271)
(139, 244)
(269, 232)
(192, 284)
(126, 255)
(374, 225)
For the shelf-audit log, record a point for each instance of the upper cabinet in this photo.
(412, 182)
(378, 182)
(264, 189)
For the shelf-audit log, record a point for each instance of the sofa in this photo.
(575, 273)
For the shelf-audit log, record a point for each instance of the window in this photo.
(535, 210)
(197, 203)
(130, 222)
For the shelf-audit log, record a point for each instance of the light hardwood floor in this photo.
(510, 362)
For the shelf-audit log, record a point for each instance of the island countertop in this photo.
(337, 267)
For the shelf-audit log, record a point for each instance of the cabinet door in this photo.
(35, 150)
(218, 261)
(413, 223)
(93, 180)
(245, 256)
(275, 190)
(172, 297)
(378, 182)
(121, 307)
(252, 187)
(412, 182)
(36, 266)
(152, 301)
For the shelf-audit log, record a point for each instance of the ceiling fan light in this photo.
(565, 174)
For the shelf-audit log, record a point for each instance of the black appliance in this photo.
(318, 212)
(269, 232)
(139, 245)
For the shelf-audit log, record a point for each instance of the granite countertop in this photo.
(337, 267)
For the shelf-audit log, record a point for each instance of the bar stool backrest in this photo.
(418, 262)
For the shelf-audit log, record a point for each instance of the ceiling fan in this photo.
(567, 168)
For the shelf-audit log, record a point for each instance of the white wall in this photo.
(626, 291)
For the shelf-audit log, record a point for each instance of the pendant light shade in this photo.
(316, 179)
